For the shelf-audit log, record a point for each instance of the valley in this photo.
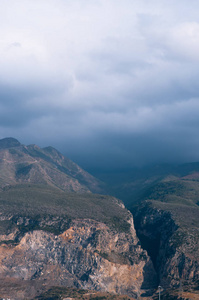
(164, 202)
(63, 235)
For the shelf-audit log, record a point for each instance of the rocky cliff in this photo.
(87, 255)
(170, 234)
(87, 242)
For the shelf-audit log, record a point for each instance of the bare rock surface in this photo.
(170, 235)
(87, 255)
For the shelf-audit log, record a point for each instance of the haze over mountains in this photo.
(135, 184)
(113, 85)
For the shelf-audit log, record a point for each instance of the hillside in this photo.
(57, 235)
(66, 239)
(132, 185)
(55, 232)
(167, 223)
(164, 200)
(45, 202)
(31, 164)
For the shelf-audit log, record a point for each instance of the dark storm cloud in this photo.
(107, 82)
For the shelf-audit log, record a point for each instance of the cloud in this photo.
(113, 81)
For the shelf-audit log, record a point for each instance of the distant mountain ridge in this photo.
(31, 164)
(133, 185)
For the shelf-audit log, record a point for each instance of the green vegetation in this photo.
(134, 185)
(180, 198)
(38, 202)
(178, 191)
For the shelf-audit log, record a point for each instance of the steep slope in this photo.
(31, 164)
(164, 200)
(168, 225)
(61, 239)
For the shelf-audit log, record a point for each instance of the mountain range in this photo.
(164, 200)
(61, 234)
(56, 232)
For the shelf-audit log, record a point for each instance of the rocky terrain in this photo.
(173, 247)
(52, 238)
(167, 224)
(165, 206)
(59, 239)
(87, 255)
(31, 164)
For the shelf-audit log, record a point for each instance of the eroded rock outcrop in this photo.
(169, 234)
(88, 254)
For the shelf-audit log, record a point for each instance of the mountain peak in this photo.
(32, 164)
(9, 142)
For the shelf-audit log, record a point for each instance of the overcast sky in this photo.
(106, 82)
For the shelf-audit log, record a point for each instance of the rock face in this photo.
(55, 232)
(88, 254)
(170, 235)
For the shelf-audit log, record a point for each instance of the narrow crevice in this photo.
(154, 229)
(152, 246)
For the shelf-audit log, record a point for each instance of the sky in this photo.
(109, 83)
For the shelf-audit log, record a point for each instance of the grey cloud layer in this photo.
(114, 79)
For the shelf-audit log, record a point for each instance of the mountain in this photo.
(164, 200)
(132, 185)
(56, 234)
(32, 164)
(59, 238)
(171, 209)
(54, 238)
